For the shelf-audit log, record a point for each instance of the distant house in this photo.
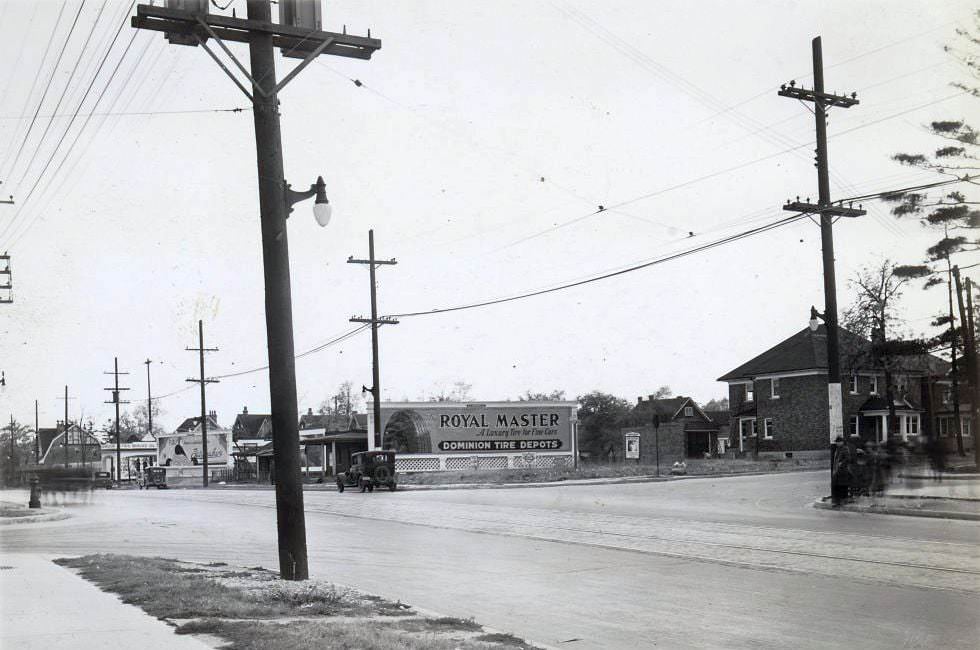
(779, 401)
(677, 428)
(251, 428)
(81, 448)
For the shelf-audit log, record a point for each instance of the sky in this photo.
(478, 146)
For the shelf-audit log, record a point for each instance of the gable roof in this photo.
(669, 408)
(190, 424)
(807, 350)
(249, 425)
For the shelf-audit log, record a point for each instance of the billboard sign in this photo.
(455, 428)
(186, 449)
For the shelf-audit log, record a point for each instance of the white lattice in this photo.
(459, 462)
(493, 462)
(416, 464)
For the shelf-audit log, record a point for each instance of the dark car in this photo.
(369, 469)
(102, 480)
(155, 476)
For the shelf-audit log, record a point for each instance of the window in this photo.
(749, 393)
(945, 427)
(775, 387)
(747, 427)
(947, 396)
(854, 383)
(853, 426)
(688, 411)
(912, 425)
(874, 384)
(770, 429)
(966, 426)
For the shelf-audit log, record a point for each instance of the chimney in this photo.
(244, 410)
(309, 411)
(213, 415)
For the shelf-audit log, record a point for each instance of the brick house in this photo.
(685, 430)
(779, 399)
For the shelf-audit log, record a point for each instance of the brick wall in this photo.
(672, 443)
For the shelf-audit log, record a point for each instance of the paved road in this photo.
(732, 562)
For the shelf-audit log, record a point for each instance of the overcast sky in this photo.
(152, 220)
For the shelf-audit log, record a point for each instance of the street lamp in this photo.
(321, 206)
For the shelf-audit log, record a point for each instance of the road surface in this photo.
(715, 562)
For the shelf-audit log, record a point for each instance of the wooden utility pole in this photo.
(7, 286)
(37, 436)
(971, 325)
(116, 401)
(297, 35)
(375, 390)
(149, 400)
(827, 213)
(969, 355)
(203, 382)
(64, 438)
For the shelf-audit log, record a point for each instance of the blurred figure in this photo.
(840, 471)
(937, 458)
(880, 469)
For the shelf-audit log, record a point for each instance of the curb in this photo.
(56, 515)
(823, 503)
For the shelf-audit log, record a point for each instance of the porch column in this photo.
(323, 461)
(884, 428)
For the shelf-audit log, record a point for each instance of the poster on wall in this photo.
(187, 450)
(478, 428)
(632, 445)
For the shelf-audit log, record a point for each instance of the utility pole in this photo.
(64, 439)
(375, 390)
(7, 286)
(969, 355)
(975, 377)
(203, 382)
(954, 366)
(115, 400)
(827, 213)
(37, 436)
(13, 457)
(297, 35)
(149, 400)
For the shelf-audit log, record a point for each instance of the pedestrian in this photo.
(840, 471)
(861, 474)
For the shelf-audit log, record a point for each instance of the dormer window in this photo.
(688, 411)
(775, 387)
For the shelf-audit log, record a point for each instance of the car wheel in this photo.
(340, 486)
(370, 488)
(392, 486)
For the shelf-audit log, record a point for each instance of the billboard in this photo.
(185, 449)
(632, 445)
(454, 428)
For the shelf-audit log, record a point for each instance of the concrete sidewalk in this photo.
(43, 605)
(949, 499)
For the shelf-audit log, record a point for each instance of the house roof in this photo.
(326, 421)
(807, 350)
(879, 403)
(669, 408)
(192, 423)
(248, 425)
(721, 418)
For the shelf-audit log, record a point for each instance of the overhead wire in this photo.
(666, 258)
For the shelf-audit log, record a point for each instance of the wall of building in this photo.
(672, 443)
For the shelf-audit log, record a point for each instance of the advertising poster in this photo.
(186, 449)
(632, 445)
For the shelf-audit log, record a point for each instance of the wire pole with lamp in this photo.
(116, 401)
(203, 381)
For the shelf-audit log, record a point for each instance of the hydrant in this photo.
(35, 501)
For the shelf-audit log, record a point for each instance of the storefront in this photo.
(442, 436)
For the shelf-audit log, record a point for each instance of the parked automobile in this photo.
(156, 476)
(369, 469)
(102, 480)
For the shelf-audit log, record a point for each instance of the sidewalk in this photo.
(43, 605)
(949, 499)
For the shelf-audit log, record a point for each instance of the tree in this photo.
(600, 416)
(344, 402)
(18, 454)
(873, 315)
(951, 213)
(664, 392)
(459, 393)
(720, 404)
(555, 395)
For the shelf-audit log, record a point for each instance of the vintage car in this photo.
(369, 469)
(155, 476)
(102, 480)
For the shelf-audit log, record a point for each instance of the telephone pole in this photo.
(971, 325)
(203, 382)
(64, 440)
(115, 400)
(297, 35)
(37, 437)
(375, 390)
(149, 400)
(969, 352)
(827, 213)
(8, 285)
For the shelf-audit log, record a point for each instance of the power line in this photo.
(660, 260)
(131, 113)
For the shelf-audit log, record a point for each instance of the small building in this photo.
(675, 429)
